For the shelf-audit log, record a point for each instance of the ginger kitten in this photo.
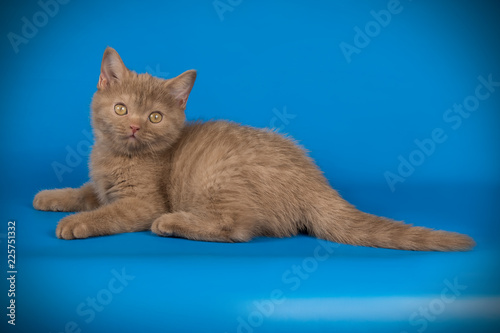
(212, 181)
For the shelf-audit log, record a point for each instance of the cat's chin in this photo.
(130, 145)
(135, 147)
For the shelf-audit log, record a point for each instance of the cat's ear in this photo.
(181, 86)
(112, 68)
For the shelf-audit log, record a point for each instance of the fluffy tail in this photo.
(345, 224)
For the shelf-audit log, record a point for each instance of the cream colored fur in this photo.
(212, 181)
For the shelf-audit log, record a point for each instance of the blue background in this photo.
(257, 60)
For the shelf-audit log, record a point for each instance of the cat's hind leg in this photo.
(204, 226)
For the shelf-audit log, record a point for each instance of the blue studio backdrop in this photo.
(397, 101)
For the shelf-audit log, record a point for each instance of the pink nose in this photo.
(134, 128)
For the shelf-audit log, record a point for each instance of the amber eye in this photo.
(120, 109)
(155, 117)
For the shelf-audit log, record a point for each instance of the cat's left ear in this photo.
(181, 86)
(112, 68)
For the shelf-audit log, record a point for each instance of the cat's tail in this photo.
(343, 223)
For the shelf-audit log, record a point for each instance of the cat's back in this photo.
(218, 142)
(245, 163)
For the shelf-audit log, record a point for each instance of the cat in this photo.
(212, 181)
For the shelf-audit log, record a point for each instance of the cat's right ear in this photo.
(112, 68)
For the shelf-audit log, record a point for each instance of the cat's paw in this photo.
(163, 226)
(74, 227)
(53, 200)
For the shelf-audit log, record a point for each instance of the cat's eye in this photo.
(155, 117)
(120, 109)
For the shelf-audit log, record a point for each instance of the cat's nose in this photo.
(134, 128)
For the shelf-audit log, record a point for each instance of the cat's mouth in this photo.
(132, 135)
(132, 139)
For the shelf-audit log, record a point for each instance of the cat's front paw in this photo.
(74, 227)
(53, 200)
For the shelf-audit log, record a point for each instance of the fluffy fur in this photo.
(212, 181)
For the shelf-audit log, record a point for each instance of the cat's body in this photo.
(214, 181)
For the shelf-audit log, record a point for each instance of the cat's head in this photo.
(138, 113)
